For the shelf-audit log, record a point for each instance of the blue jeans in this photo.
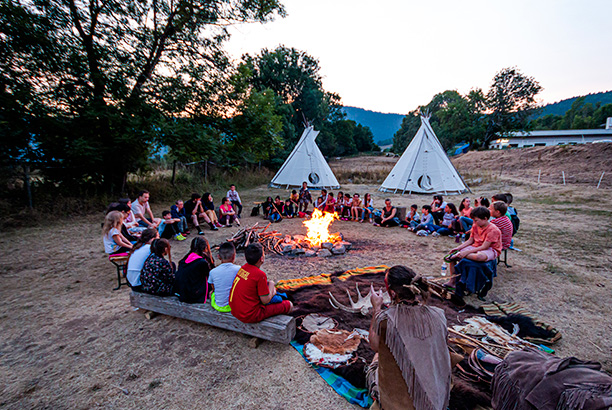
(466, 223)
(275, 217)
(182, 225)
(365, 211)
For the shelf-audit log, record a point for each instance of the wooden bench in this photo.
(279, 328)
(503, 260)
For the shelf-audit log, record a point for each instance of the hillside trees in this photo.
(294, 77)
(476, 118)
(96, 83)
(581, 115)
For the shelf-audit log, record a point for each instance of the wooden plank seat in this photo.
(279, 328)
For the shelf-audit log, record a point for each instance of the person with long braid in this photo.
(412, 365)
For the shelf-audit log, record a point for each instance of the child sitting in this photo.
(426, 219)
(339, 203)
(169, 227)
(288, 209)
(228, 215)
(323, 197)
(114, 241)
(330, 206)
(295, 199)
(138, 255)
(355, 208)
(498, 211)
(222, 277)
(347, 204)
(252, 292)
(276, 210)
(484, 244)
(267, 207)
(157, 275)
(304, 198)
(446, 225)
(191, 283)
(411, 216)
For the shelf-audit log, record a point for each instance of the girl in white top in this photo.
(368, 208)
(114, 241)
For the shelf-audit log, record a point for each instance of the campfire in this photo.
(318, 241)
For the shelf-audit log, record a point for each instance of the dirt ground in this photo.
(69, 341)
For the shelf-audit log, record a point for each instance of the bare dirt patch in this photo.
(69, 341)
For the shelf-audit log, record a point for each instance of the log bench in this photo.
(279, 328)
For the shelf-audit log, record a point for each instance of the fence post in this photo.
(26, 172)
(563, 172)
(539, 174)
(600, 178)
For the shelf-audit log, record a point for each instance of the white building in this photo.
(525, 139)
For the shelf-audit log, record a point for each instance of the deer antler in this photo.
(362, 305)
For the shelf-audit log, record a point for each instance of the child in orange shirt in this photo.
(484, 244)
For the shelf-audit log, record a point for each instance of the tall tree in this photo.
(511, 101)
(107, 71)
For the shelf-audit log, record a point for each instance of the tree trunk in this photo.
(173, 172)
(26, 175)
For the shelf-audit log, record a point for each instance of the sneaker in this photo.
(218, 225)
(422, 232)
(200, 232)
(214, 228)
(179, 237)
(435, 234)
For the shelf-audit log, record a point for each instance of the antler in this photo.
(362, 305)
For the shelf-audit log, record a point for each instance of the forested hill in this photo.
(383, 125)
(561, 107)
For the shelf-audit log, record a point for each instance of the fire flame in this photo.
(318, 225)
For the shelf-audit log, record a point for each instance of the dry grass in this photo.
(68, 341)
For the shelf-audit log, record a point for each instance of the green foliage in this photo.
(93, 87)
(511, 102)
(475, 118)
(581, 115)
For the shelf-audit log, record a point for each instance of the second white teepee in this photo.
(424, 167)
(305, 163)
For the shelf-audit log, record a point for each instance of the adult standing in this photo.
(234, 197)
(141, 208)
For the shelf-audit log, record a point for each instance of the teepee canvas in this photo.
(424, 167)
(305, 163)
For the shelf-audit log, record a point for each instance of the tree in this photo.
(510, 101)
(102, 74)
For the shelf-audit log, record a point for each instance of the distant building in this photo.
(525, 139)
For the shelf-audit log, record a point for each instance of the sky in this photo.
(394, 55)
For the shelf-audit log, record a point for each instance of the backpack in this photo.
(255, 211)
(516, 221)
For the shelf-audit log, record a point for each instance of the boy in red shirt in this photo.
(484, 244)
(252, 291)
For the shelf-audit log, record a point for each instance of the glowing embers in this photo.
(318, 228)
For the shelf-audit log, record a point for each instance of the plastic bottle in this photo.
(443, 269)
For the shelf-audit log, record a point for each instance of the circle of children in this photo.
(130, 227)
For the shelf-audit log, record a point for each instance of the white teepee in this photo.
(305, 163)
(424, 167)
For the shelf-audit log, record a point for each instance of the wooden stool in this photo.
(120, 260)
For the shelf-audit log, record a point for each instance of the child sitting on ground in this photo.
(288, 209)
(484, 244)
(355, 208)
(498, 211)
(169, 227)
(252, 292)
(305, 198)
(411, 216)
(276, 210)
(426, 219)
(222, 277)
(330, 206)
